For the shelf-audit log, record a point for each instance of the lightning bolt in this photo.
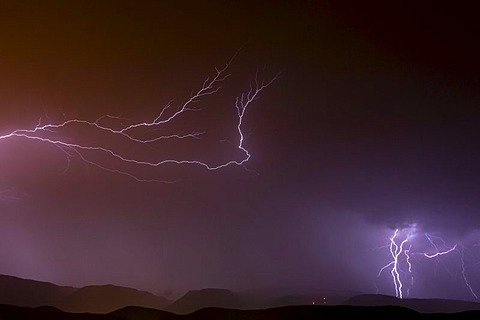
(110, 127)
(396, 249)
(447, 251)
(401, 257)
(407, 259)
(464, 274)
(437, 251)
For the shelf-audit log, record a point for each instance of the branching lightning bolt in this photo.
(437, 251)
(50, 133)
(395, 251)
(401, 257)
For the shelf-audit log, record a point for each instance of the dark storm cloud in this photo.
(373, 126)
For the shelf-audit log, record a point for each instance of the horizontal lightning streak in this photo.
(43, 132)
(440, 253)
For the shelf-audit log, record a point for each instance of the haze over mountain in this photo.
(108, 298)
(31, 293)
(94, 299)
(21, 299)
(211, 297)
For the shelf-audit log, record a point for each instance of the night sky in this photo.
(372, 126)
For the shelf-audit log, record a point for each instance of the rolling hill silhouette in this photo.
(8, 312)
(283, 313)
(31, 293)
(95, 299)
(420, 305)
(29, 299)
(108, 298)
(198, 299)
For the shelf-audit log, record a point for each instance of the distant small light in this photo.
(313, 302)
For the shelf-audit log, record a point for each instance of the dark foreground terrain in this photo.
(420, 305)
(8, 312)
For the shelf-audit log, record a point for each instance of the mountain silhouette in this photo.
(211, 297)
(94, 299)
(30, 293)
(283, 313)
(140, 313)
(8, 312)
(30, 299)
(108, 298)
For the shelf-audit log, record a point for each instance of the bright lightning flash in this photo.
(54, 133)
(400, 264)
(397, 251)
